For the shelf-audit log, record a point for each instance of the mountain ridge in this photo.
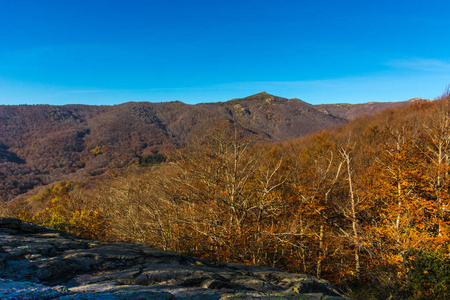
(42, 144)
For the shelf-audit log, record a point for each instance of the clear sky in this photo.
(110, 51)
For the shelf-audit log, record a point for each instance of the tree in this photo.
(434, 144)
(318, 170)
(229, 190)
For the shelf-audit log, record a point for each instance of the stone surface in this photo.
(41, 263)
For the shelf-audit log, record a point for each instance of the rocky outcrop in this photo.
(41, 263)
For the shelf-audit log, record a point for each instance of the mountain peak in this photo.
(260, 96)
(263, 96)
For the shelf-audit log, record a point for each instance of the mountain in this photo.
(42, 144)
(352, 111)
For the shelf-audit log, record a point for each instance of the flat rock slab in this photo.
(41, 263)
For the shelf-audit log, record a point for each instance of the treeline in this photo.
(364, 205)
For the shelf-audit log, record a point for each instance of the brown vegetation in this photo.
(346, 204)
(43, 144)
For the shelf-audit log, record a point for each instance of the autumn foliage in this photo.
(366, 203)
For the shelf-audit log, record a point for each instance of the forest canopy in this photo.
(366, 204)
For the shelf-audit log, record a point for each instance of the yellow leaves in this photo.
(24, 215)
(63, 212)
(57, 188)
(62, 187)
(88, 224)
(97, 150)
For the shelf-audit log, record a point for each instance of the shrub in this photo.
(429, 273)
(150, 160)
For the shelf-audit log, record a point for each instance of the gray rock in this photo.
(215, 284)
(41, 263)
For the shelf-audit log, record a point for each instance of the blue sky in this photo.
(111, 52)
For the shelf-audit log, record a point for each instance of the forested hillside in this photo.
(365, 205)
(43, 144)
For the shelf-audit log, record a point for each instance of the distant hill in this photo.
(42, 144)
(351, 111)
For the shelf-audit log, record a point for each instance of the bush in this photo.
(150, 160)
(429, 274)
